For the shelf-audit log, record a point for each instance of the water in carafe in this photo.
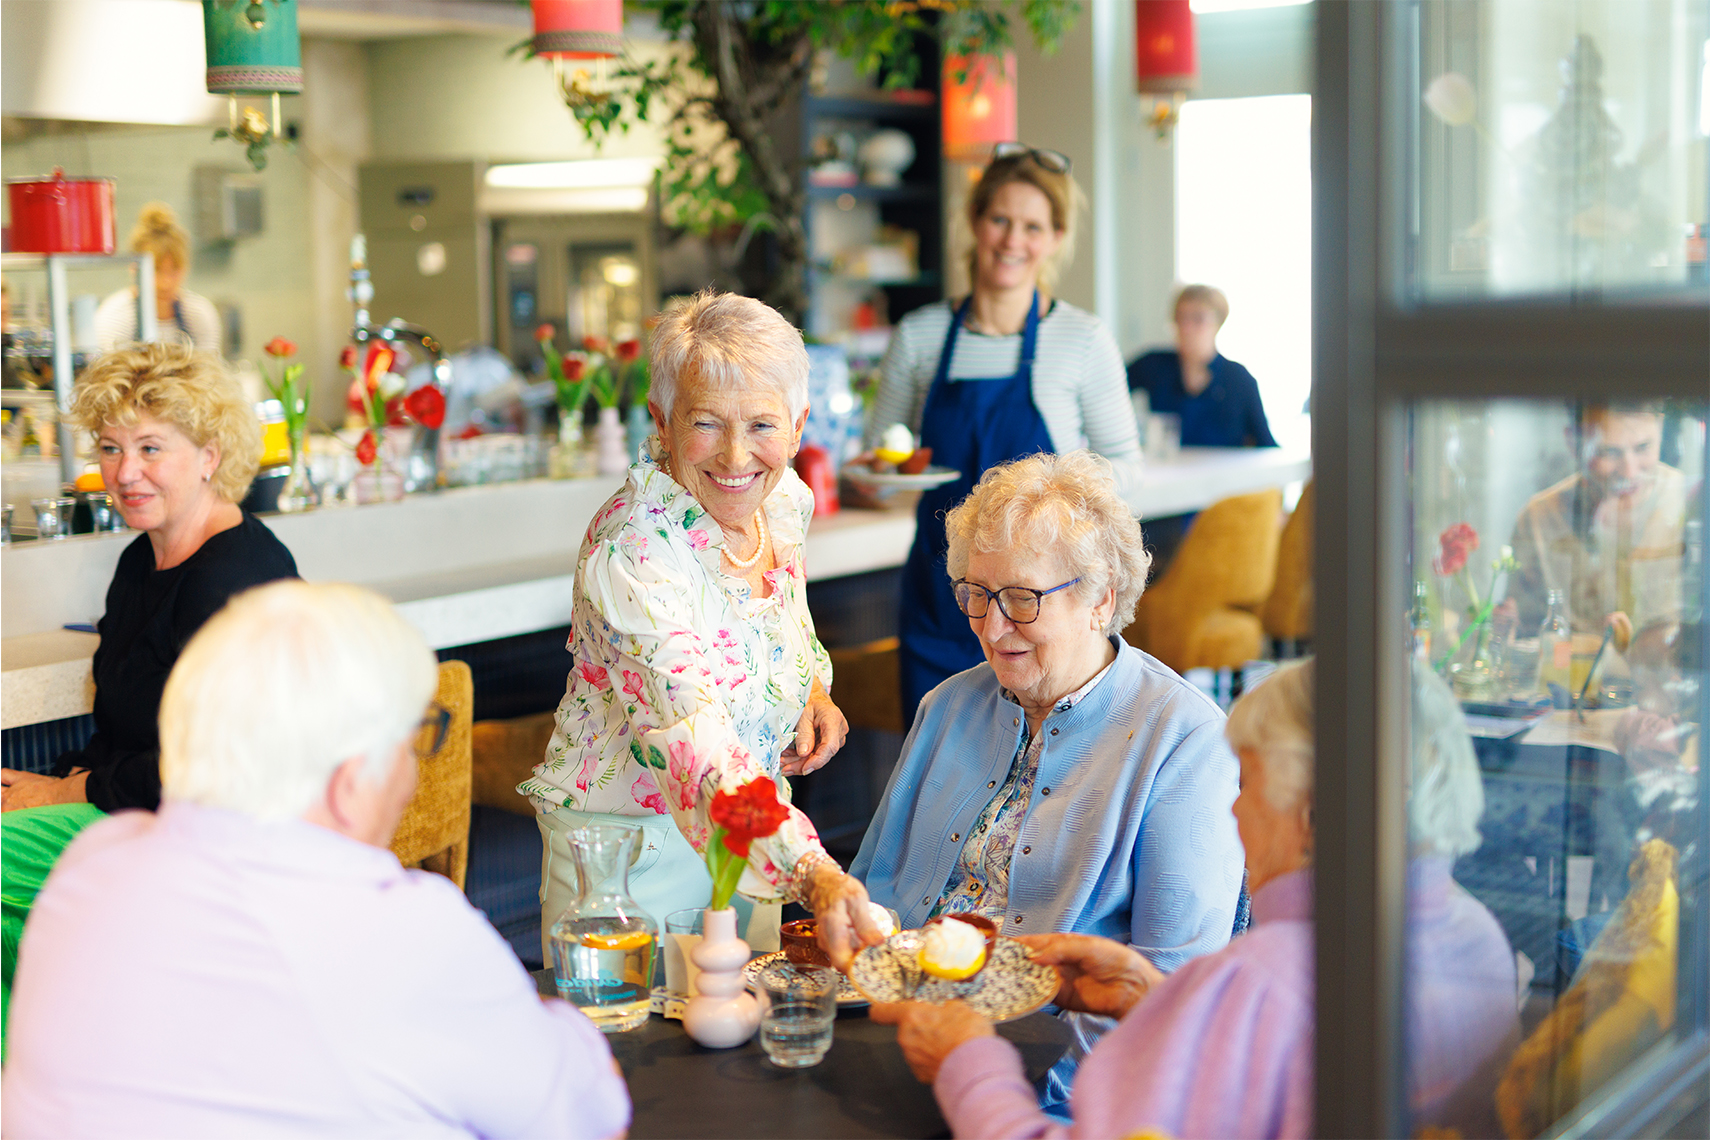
(603, 945)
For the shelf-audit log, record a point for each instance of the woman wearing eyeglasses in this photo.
(1004, 372)
(1070, 783)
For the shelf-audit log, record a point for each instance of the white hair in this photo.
(1063, 505)
(1275, 719)
(283, 685)
(728, 342)
(1446, 796)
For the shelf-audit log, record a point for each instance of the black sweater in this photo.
(151, 615)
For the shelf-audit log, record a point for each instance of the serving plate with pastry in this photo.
(956, 957)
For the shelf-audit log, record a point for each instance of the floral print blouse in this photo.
(979, 884)
(681, 682)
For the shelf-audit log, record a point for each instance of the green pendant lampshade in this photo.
(253, 48)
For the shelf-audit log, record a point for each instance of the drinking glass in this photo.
(682, 934)
(53, 517)
(801, 1006)
(101, 510)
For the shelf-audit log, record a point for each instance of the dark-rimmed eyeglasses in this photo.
(1053, 160)
(1020, 604)
(436, 726)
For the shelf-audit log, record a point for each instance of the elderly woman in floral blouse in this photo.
(695, 665)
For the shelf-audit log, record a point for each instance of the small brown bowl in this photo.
(979, 922)
(917, 462)
(801, 942)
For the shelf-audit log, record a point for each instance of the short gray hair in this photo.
(727, 341)
(1446, 796)
(282, 686)
(1066, 504)
(1275, 719)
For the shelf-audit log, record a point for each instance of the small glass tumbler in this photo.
(53, 517)
(101, 511)
(682, 934)
(801, 1009)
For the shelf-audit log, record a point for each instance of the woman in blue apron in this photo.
(184, 317)
(1033, 374)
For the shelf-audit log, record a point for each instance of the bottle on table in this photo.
(1555, 645)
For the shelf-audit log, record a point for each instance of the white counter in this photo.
(474, 563)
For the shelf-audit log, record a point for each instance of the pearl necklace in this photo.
(745, 563)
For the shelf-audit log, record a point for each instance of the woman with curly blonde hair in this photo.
(178, 446)
(1070, 782)
(185, 317)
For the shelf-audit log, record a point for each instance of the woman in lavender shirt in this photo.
(1224, 1046)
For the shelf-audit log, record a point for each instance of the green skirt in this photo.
(31, 840)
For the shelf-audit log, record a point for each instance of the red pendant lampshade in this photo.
(578, 29)
(1166, 59)
(979, 110)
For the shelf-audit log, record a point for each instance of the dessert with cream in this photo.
(956, 946)
(897, 451)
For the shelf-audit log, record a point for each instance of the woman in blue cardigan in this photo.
(1072, 782)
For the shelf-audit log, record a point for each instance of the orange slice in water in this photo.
(632, 940)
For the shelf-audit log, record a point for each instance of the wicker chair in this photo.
(866, 684)
(434, 833)
(1288, 613)
(1201, 612)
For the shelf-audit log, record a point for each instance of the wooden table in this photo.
(862, 1088)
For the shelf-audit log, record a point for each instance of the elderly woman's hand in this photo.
(31, 789)
(844, 914)
(1096, 975)
(930, 1033)
(819, 734)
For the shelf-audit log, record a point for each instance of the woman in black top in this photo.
(179, 445)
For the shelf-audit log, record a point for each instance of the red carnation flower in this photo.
(544, 332)
(347, 358)
(628, 350)
(749, 813)
(1457, 542)
(279, 346)
(426, 406)
(367, 448)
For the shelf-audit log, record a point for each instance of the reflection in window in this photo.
(1553, 798)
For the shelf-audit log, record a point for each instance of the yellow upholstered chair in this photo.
(1287, 613)
(866, 685)
(1202, 612)
(1621, 1003)
(506, 752)
(434, 833)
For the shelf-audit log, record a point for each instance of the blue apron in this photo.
(970, 425)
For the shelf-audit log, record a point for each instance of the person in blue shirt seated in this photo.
(1070, 782)
(1216, 398)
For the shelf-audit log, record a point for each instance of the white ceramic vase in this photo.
(611, 444)
(722, 1014)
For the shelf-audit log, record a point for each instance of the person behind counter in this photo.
(1032, 374)
(265, 967)
(185, 317)
(1070, 783)
(178, 446)
(694, 662)
(1216, 398)
(1223, 1046)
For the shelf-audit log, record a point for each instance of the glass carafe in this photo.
(1555, 650)
(603, 944)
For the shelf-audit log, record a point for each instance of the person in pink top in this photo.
(252, 960)
(1224, 1046)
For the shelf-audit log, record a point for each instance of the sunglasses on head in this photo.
(1051, 160)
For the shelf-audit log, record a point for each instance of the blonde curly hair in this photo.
(158, 233)
(1066, 504)
(193, 391)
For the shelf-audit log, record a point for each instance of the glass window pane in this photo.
(1561, 147)
(1556, 842)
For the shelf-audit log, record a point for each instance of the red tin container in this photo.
(61, 215)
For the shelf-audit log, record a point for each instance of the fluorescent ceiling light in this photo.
(580, 174)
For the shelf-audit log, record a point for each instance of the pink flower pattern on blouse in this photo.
(683, 682)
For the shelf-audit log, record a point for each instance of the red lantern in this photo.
(979, 110)
(1165, 57)
(578, 29)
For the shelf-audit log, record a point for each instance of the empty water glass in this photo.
(53, 517)
(101, 511)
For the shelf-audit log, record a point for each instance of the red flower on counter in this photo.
(628, 350)
(1457, 543)
(593, 344)
(367, 448)
(347, 358)
(573, 368)
(470, 432)
(426, 406)
(377, 363)
(545, 331)
(279, 346)
(749, 813)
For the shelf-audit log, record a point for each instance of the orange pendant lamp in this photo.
(578, 29)
(978, 104)
(1166, 58)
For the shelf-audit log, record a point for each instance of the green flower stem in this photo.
(726, 870)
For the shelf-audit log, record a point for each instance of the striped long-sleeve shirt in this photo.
(1079, 384)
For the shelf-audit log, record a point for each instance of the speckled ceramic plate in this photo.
(776, 965)
(1012, 985)
(898, 481)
